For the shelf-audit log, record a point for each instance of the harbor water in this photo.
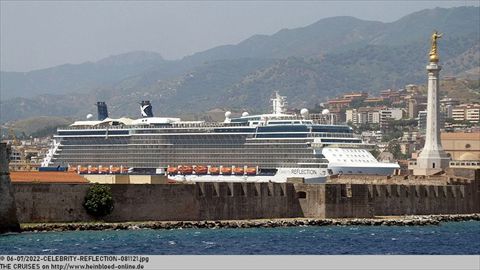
(446, 238)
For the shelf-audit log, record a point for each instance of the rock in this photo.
(133, 227)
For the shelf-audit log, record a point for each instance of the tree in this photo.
(394, 148)
(98, 201)
(375, 152)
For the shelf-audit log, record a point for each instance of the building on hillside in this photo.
(412, 110)
(356, 96)
(473, 115)
(337, 116)
(415, 104)
(338, 104)
(447, 105)
(351, 116)
(372, 136)
(467, 112)
(372, 114)
(394, 97)
(364, 115)
(373, 100)
(389, 114)
(410, 142)
(461, 146)
(411, 88)
(422, 121)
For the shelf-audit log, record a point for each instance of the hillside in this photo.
(35, 126)
(70, 78)
(464, 90)
(337, 34)
(307, 64)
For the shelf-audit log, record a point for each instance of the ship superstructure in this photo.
(260, 148)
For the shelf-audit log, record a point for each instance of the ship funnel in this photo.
(146, 108)
(102, 110)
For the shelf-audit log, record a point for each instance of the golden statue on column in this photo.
(433, 51)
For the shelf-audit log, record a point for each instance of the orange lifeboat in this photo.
(226, 170)
(238, 170)
(251, 171)
(201, 170)
(72, 169)
(83, 170)
(115, 170)
(103, 170)
(172, 170)
(214, 170)
(124, 170)
(185, 169)
(93, 170)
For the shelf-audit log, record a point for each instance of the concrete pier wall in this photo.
(201, 201)
(8, 215)
(223, 201)
(424, 200)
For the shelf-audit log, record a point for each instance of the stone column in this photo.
(432, 159)
(432, 132)
(8, 210)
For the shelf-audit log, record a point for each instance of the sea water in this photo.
(447, 238)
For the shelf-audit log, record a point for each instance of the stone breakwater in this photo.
(258, 223)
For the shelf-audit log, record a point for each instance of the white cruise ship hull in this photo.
(310, 175)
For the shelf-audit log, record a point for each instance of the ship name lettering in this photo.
(303, 171)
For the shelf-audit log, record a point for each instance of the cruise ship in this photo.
(272, 147)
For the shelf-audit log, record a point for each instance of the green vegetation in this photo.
(394, 128)
(464, 90)
(364, 127)
(39, 126)
(375, 152)
(394, 148)
(99, 201)
(389, 136)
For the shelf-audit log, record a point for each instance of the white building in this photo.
(467, 112)
(390, 114)
(363, 115)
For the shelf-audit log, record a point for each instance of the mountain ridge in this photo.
(328, 57)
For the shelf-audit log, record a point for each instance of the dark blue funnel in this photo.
(102, 110)
(146, 108)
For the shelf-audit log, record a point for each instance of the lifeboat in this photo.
(103, 170)
(185, 169)
(72, 169)
(124, 170)
(93, 170)
(83, 170)
(115, 170)
(214, 170)
(238, 170)
(251, 171)
(226, 170)
(172, 170)
(201, 170)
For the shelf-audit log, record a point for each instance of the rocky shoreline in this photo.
(257, 223)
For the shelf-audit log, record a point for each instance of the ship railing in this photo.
(332, 135)
(171, 125)
(93, 128)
